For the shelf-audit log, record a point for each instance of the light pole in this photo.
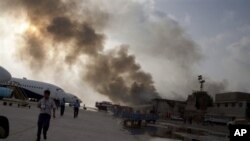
(202, 81)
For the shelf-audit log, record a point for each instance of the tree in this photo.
(203, 100)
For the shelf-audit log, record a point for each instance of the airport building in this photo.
(197, 104)
(230, 105)
(168, 108)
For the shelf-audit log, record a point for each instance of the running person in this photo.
(46, 104)
(76, 108)
(62, 106)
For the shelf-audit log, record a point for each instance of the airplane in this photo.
(34, 89)
(4, 75)
(72, 98)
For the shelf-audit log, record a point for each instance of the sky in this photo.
(170, 42)
(222, 29)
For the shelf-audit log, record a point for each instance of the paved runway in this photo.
(89, 126)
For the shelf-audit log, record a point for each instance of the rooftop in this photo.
(232, 96)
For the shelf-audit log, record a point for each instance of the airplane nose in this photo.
(4, 75)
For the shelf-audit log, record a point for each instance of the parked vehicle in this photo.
(178, 118)
(103, 106)
(217, 120)
(238, 122)
(4, 127)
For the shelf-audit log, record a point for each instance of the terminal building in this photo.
(230, 105)
(168, 108)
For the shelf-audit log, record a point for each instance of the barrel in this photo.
(5, 92)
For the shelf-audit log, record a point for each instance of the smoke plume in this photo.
(55, 26)
(63, 32)
(117, 75)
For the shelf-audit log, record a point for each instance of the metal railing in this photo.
(18, 93)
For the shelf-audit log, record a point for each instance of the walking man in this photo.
(62, 106)
(46, 104)
(76, 108)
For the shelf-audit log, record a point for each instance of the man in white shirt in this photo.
(46, 104)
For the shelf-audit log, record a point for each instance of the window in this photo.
(226, 105)
(248, 105)
(233, 104)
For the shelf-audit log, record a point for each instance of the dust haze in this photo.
(74, 34)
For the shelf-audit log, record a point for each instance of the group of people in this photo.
(76, 106)
(46, 105)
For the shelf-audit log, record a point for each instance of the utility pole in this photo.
(201, 81)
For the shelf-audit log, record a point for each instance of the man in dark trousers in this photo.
(62, 106)
(46, 104)
(76, 108)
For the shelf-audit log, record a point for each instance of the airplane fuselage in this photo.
(35, 89)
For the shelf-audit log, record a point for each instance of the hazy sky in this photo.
(217, 26)
(174, 40)
(222, 30)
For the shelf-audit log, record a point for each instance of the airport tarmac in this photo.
(89, 126)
